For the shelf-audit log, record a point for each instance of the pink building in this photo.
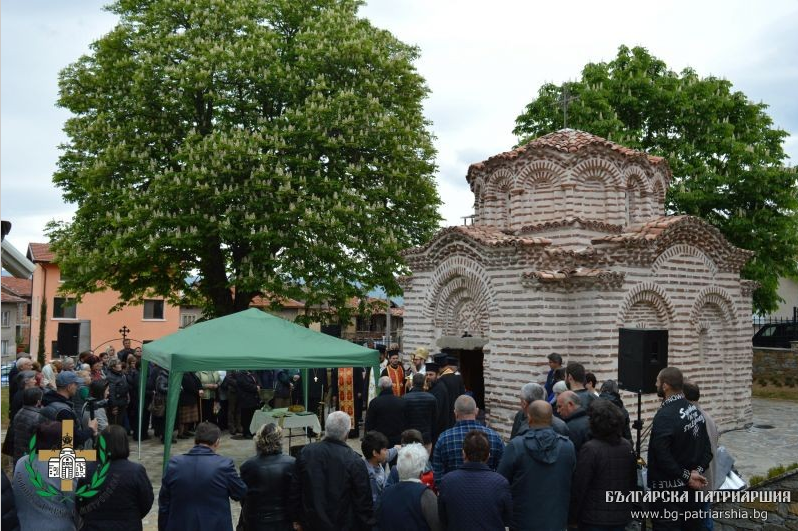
(72, 328)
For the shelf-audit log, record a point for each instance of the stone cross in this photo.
(67, 438)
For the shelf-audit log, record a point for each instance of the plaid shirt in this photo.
(448, 452)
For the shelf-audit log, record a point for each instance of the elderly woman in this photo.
(409, 504)
(559, 388)
(268, 477)
(50, 371)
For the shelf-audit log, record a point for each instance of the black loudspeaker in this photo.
(641, 355)
(68, 334)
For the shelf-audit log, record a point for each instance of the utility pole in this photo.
(388, 322)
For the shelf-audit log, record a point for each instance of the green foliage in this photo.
(270, 146)
(42, 327)
(726, 156)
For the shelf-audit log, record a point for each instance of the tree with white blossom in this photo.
(258, 146)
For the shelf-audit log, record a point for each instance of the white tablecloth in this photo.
(292, 421)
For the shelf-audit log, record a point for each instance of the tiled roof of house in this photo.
(567, 141)
(19, 286)
(8, 297)
(40, 253)
(261, 302)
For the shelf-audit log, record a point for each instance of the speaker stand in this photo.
(638, 426)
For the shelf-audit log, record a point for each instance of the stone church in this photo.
(570, 242)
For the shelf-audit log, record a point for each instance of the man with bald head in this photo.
(571, 410)
(448, 452)
(529, 458)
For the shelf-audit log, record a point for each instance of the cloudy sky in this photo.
(483, 61)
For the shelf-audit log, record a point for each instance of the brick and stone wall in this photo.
(776, 366)
(568, 245)
(780, 516)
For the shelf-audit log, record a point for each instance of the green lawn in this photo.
(771, 391)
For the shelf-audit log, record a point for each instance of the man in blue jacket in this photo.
(539, 465)
(196, 487)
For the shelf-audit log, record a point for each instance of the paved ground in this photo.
(756, 449)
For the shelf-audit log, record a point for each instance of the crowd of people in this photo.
(428, 460)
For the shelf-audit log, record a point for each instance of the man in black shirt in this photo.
(678, 453)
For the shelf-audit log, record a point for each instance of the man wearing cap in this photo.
(57, 405)
(395, 371)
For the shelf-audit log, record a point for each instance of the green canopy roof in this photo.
(246, 340)
(254, 339)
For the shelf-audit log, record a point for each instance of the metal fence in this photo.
(758, 321)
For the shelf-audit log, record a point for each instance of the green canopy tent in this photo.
(247, 340)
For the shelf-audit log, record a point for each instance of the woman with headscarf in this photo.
(268, 477)
(188, 413)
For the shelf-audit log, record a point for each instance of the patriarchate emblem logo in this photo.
(67, 464)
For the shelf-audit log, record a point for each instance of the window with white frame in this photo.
(6, 319)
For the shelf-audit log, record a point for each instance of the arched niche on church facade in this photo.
(497, 201)
(646, 306)
(460, 299)
(598, 193)
(543, 200)
(714, 321)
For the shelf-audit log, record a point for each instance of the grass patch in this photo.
(772, 473)
(777, 392)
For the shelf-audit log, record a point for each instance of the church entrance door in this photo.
(472, 371)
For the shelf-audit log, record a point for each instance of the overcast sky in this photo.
(483, 61)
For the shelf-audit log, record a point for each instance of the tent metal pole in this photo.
(143, 370)
(305, 387)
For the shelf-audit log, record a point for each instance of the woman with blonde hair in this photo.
(268, 477)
